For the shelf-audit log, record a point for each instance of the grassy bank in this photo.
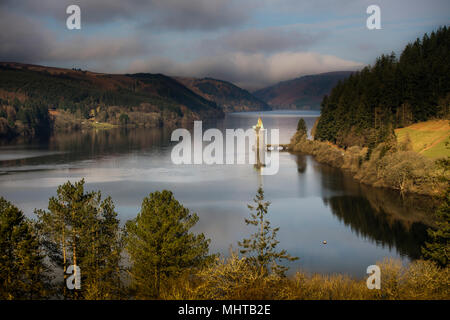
(407, 163)
(428, 138)
(233, 278)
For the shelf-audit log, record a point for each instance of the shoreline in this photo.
(384, 168)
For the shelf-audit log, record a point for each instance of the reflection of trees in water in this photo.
(119, 140)
(89, 144)
(378, 226)
(301, 163)
(407, 209)
(381, 215)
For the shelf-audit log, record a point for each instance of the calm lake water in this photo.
(310, 202)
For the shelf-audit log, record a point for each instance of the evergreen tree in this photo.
(394, 92)
(438, 249)
(101, 262)
(81, 230)
(260, 248)
(23, 274)
(160, 244)
(301, 126)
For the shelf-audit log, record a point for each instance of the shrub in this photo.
(234, 278)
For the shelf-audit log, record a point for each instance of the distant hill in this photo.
(58, 86)
(28, 91)
(227, 95)
(301, 93)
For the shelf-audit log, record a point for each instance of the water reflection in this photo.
(378, 226)
(84, 145)
(379, 215)
(310, 202)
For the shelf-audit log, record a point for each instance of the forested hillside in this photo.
(228, 96)
(27, 92)
(395, 92)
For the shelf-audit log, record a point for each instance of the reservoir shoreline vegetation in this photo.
(79, 228)
(366, 182)
(210, 276)
(389, 123)
(395, 165)
(37, 100)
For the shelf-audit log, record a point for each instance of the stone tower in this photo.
(260, 144)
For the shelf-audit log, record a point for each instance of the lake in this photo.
(310, 202)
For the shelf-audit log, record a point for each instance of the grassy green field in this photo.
(428, 138)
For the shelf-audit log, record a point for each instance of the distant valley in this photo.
(36, 100)
(301, 93)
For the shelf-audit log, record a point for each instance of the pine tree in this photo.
(81, 230)
(23, 274)
(438, 249)
(301, 126)
(260, 248)
(393, 92)
(101, 263)
(160, 244)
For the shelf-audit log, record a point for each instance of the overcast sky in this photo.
(252, 43)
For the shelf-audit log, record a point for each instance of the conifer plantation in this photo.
(364, 109)
(358, 129)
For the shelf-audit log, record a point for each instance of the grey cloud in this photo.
(390, 10)
(215, 14)
(87, 49)
(27, 40)
(22, 40)
(252, 58)
(267, 40)
(169, 14)
(251, 71)
(199, 14)
(92, 11)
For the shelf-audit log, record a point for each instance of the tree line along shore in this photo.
(156, 256)
(391, 164)
(388, 124)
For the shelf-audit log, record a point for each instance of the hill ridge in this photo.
(304, 92)
(231, 97)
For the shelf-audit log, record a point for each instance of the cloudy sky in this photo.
(253, 43)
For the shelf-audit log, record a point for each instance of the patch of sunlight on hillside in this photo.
(428, 138)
